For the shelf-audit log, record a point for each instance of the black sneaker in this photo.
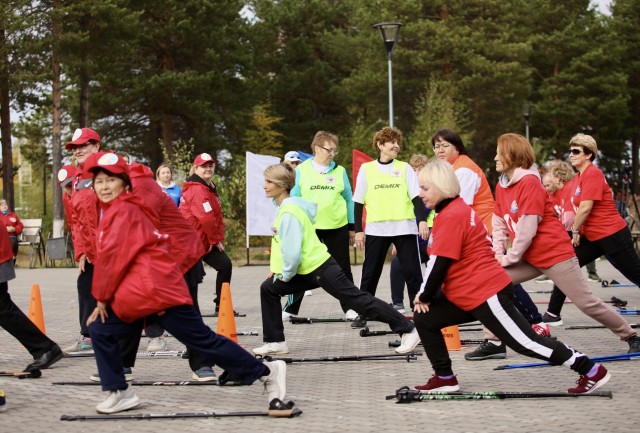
(487, 350)
(359, 322)
(551, 320)
(634, 344)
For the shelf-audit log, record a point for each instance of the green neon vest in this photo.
(325, 190)
(387, 197)
(314, 252)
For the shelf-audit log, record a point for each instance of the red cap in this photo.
(108, 161)
(66, 175)
(81, 136)
(202, 159)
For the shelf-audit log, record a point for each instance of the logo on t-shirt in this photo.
(514, 207)
(331, 179)
(578, 191)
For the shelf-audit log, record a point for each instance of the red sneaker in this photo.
(436, 383)
(541, 329)
(586, 385)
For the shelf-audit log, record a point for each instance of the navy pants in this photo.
(186, 325)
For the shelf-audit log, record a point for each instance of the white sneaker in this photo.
(285, 316)
(410, 341)
(272, 349)
(275, 384)
(122, 399)
(308, 293)
(351, 315)
(158, 344)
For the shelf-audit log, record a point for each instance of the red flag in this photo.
(359, 158)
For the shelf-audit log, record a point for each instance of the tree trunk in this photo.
(5, 125)
(84, 76)
(58, 217)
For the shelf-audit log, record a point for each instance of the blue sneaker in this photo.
(204, 374)
(128, 375)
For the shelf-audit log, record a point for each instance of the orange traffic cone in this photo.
(35, 308)
(226, 317)
(452, 337)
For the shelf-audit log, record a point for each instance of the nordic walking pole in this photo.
(237, 333)
(607, 358)
(629, 312)
(277, 409)
(32, 374)
(396, 343)
(411, 356)
(633, 325)
(147, 383)
(160, 354)
(407, 395)
(299, 320)
(614, 283)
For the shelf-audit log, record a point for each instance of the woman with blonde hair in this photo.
(164, 177)
(300, 262)
(464, 283)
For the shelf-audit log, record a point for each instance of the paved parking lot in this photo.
(334, 396)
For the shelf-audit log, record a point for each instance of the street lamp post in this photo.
(389, 33)
(526, 112)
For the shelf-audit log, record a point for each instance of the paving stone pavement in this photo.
(334, 396)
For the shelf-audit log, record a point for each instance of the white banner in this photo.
(261, 212)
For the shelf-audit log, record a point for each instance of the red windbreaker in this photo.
(85, 215)
(6, 253)
(200, 205)
(135, 272)
(11, 219)
(185, 248)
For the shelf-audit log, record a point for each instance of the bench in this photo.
(31, 237)
(59, 249)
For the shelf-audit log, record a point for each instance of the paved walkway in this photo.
(335, 397)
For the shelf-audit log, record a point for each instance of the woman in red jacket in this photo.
(13, 224)
(135, 277)
(200, 205)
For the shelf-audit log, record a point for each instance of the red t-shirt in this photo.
(567, 214)
(604, 219)
(550, 245)
(475, 275)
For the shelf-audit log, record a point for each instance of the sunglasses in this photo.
(576, 151)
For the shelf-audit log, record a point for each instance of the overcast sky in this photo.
(603, 5)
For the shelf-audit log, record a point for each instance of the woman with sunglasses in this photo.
(539, 245)
(322, 181)
(598, 229)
